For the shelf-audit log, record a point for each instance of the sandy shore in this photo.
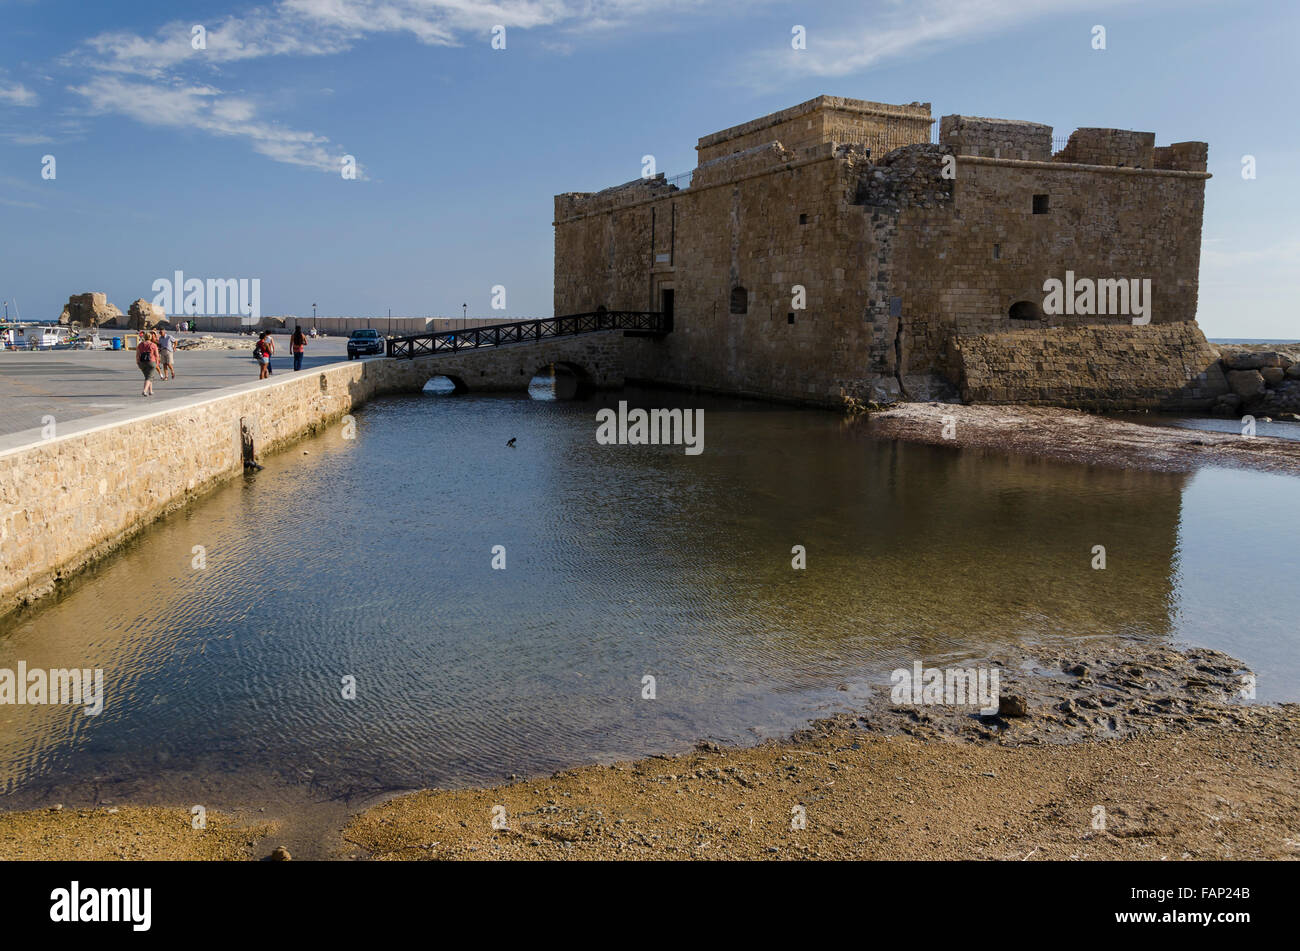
(126, 832)
(1138, 754)
(1073, 436)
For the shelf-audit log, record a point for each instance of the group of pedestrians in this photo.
(156, 354)
(264, 349)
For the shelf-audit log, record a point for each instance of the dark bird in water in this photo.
(511, 443)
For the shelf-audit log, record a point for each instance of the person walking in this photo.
(167, 355)
(146, 358)
(297, 343)
(262, 353)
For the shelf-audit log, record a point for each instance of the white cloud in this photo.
(141, 76)
(206, 108)
(17, 94)
(27, 138)
(323, 27)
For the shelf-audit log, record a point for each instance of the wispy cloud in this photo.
(27, 138)
(886, 32)
(161, 79)
(16, 94)
(206, 108)
(325, 27)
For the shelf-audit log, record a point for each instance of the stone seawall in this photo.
(1157, 366)
(68, 499)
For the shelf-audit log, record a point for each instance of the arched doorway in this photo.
(1025, 310)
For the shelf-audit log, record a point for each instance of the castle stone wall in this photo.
(1114, 147)
(825, 119)
(996, 138)
(959, 262)
(1106, 368)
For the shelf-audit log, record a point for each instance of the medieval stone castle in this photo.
(831, 249)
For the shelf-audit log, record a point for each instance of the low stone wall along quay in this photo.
(70, 494)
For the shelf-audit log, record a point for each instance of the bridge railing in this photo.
(525, 331)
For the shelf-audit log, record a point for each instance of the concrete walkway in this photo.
(74, 384)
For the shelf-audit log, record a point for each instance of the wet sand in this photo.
(1121, 753)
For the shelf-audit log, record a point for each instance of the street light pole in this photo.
(464, 315)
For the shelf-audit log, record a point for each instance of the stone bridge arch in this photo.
(595, 358)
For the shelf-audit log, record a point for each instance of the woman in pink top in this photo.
(146, 358)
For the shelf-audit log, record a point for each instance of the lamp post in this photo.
(464, 315)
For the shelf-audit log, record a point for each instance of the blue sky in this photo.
(225, 162)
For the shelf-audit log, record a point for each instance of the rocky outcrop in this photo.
(1264, 382)
(89, 310)
(142, 315)
(1247, 384)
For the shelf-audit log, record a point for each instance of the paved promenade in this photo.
(73, 384)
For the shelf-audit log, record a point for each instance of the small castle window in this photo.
(803, 219)
(997, 251)
(1040, 204)
(1025, 310)
(789, 318)
(739, 300)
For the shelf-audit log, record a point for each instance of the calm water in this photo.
(372, 558)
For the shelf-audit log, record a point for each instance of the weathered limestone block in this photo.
(89, 310)
(142, 315)
(1248, 384)
(1273, 375)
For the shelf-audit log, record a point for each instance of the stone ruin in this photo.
(93, 310)
(142, 315)
(89, 310)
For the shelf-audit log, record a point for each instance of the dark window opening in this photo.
(789, 318)
(803, 219)
(1040, 204)
(997, 251)
(739, 300)
(1025, 310)
(666, 303)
